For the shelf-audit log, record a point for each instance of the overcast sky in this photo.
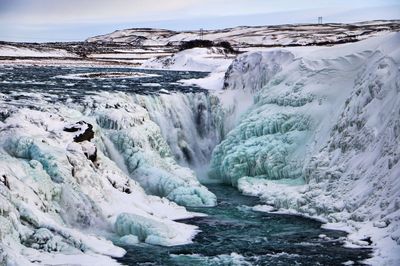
(64, 20)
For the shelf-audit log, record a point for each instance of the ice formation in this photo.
(321, 137)
(76, 175)
(147, 156)
(191, 123)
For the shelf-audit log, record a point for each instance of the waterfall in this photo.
(114, 154)
(191, 123)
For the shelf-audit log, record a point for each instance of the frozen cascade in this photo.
(191, 123)
(244, 78)
(321, 137)
(147, 156)
(63, 194)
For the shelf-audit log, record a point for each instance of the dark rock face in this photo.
(5, 181)
(72, 128)
(91, 156)
(125, 188)
(88, 134)
(207, 44)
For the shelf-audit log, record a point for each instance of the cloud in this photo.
(74, 11)
(53, 12)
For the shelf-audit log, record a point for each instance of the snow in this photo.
(214, 81)
(9, 50)
(196, 59)
(320, 137)
(151, 231)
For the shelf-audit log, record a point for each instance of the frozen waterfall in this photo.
(191, 123)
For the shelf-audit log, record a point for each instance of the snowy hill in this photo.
(244, 37)
(138, 46)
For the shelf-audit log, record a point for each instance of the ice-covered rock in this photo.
(29, 149)
(61, 178)
(243, 79)
(146, 155)
(253, 70)
(321, 137)
(148, 230)
(128, 240)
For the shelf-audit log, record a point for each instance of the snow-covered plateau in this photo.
(255, 36)
(137, 46)
(311, 130)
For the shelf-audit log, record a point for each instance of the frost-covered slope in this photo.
(74, 174)
(322, 136)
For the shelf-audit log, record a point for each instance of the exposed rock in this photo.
(88, 134)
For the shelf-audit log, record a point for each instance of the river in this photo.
(233, 234)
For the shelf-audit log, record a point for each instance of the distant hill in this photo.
(248, 36)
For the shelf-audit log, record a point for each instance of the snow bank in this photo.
(321, 136)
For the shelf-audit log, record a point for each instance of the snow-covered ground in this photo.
(197, 59)
(214, 60)
(14, 51)
(320, 136)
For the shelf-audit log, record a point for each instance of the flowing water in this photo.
(233, 234)
(73, 83)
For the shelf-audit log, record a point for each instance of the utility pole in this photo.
(201, 33)
(319, 20)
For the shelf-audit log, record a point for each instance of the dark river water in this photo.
(73, 83)
(233, 234)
